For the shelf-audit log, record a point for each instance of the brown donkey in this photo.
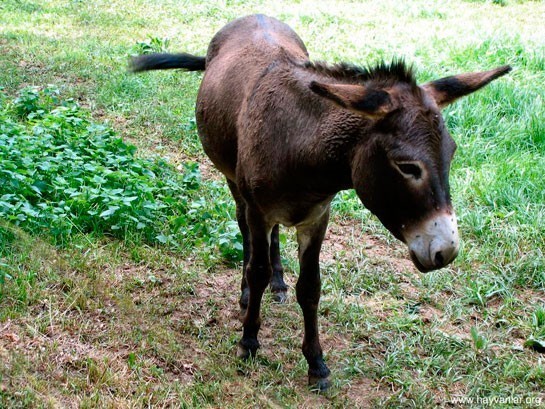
(288, 134)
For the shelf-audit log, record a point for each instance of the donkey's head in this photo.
(400, 168)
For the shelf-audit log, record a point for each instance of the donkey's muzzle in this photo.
(434, 242)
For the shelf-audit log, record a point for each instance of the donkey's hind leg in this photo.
(244, 231)
(278, 286)
(258, 277)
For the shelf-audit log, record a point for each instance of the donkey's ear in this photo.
(373, 103)
(446, 90)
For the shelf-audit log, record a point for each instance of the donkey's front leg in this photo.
(258, 275)
(310, 237)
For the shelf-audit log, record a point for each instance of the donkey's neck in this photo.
(323, 135)
(328, 152)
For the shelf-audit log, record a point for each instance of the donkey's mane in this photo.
(396, 71)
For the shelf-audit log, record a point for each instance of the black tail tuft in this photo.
(166, 62)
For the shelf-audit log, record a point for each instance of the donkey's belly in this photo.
(292, 214)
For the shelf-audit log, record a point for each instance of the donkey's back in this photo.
(238, 56)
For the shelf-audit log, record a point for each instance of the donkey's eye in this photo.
(410, 169)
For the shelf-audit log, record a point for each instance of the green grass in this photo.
(93, 315)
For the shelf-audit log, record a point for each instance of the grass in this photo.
(96, 316)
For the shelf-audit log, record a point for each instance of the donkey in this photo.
(288, 134)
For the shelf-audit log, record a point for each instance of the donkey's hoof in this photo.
(318, 385)
(280, 296)
(243, 353)
(247, 349)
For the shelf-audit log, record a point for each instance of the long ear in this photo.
(446, 90)
(372, 103)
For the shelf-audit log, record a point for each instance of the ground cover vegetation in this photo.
(120, 259)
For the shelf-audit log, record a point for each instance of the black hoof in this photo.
(247, 349)
(280, 296)
(243, 353)
(319, 384)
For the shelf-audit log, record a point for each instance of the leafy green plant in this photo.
(36, 101)
(61, 174)
(230, 241)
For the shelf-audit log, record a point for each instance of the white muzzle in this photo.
(434, 242)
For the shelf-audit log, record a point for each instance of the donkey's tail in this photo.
(163, 61)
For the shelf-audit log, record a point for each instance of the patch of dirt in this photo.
(364, 393)
(459, 330)
(429, 314)
(9, 340)
(33, 68)
(215, 303)
(338, 245)
(332, 341)
(64, 349)
(531, 297)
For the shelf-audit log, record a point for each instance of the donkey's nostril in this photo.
(439, 260)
